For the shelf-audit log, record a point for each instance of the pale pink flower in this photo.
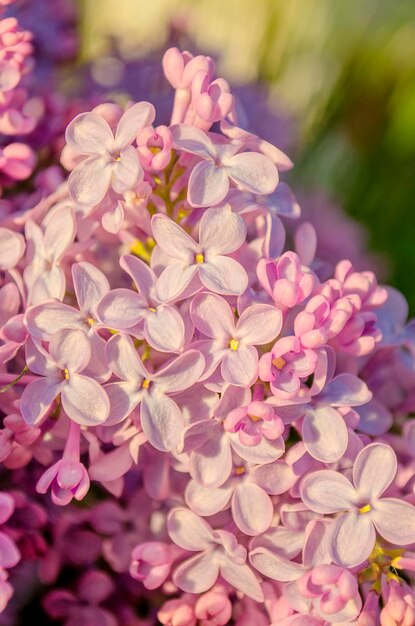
(17, 160)
(43, 275)
(123, 309)
(193, 265)
(161, 418)
(353, 533)
(221, 163)
(111, 160)
(43, 320)
(232, 343)
(154, 147)
(214, 608)
(218, 554)
(399, 606)
(83, 399)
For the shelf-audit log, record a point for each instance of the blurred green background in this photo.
(343, 69)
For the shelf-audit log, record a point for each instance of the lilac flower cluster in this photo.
(233, 423)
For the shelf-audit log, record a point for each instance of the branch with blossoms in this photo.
(231, 421)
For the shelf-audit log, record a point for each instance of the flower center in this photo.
(66, 374)
(255, 418)
(145, 383)
(279, 362)
(365, 509)
(150, 308)
(199, 258)
(233, 344)
(239, 470)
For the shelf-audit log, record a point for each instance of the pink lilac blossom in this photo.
(201, 424)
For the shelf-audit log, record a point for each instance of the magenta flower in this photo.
(210, 179)
(287, 366)
(232, 344)
(123, 309)
(191, 264)
(111, 160)
(353, 534)
(219, 554)
(83, 399)
(151, 563)
(285, 280)
(253, 422)
(68, 477)
(161, 418)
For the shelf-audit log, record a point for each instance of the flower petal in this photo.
(345, 390)
(44, 320)
(351, 539)
(211, 463)
(188, 531)
(253, 171)
(325, 434)
(161, 421)
(205, 500)
(89, 181)
(85, 401)
(89, 133)
(9, 554)
(172, 239)
(164, 329)
(12, 246)
(240, 367)
(133, 120)
(252, 509)
(141, 273)
(123, 398)
(127, 171)
(394, 520)
(221, 231)
(259, 324)
(328, 491)
(37, 399)
(90, 285)
(181, 373)
(374, 470)
(174, 279)
(70, 349)
(121, 309)
(223, 275)
(208, 184)
(124, 360)
(212, 316)
(197, 574)
(274, 565)
(192, 139)
(242, 578)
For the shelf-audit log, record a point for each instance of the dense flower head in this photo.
(220, 424)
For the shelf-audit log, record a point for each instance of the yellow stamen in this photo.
(146, 383)
(199, 258)
(279, 363)
(90, 321)
(255, 418)
(66, 373)
(365, 509)
(150, 308)
(233, 344)
(239, 471)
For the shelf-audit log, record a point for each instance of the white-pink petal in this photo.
(259, 324)
(325, 434)
(253, 171)
(12, 246)
(197, 574)
(327, 491)
(89, 181)
(161, 421)
(394, 520)
(188, 531)
(374, 470)
(89, 133)
(85, 401)
(134, 119)
(252, 509)
(208, 185)
(213, 316)
(221, 231)
(223, 275)
(351, 538)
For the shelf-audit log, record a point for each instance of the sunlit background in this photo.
(341, 72)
